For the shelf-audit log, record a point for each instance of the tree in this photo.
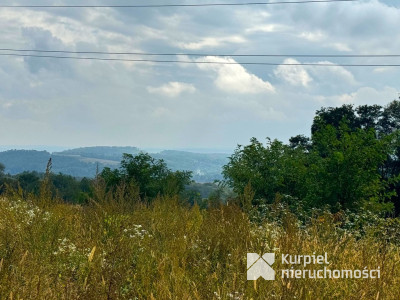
(384, 121)
(66, 186)
(152, 176)
(340, 170)
(2, 168)
(368, 116)
(334, 116)
(390, 119)
(29, 182)
(345, 169)
(274, 168)
(300, 141)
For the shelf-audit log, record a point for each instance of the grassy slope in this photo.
(167, 251)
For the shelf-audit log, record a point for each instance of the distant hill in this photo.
(83, 162)
(100, 152)
(17, 161)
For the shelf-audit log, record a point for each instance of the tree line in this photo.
(351, 161)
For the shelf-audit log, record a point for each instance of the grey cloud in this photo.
(39, 39)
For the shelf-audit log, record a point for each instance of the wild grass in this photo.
(166, 250)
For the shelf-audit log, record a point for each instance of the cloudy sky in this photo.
(85, 103)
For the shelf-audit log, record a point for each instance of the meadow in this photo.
(166, 249)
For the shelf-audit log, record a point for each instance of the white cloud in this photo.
(383, 69)
(339, 47)
(362, 96)
(368, 95)
(326, 74)
(316, 36)
(267, 28)
(172, 89)
(332, 73)
(234, 78)
(294, 75)
(209, 42)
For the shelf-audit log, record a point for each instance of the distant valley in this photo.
(83, 162)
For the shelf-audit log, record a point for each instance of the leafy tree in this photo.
(66, 186)
(385, 121)
(368, 116)
(86, 190)
(112, 177)
(345, 169)
(4, 180)
(300, 141)
(151, 176)
(2, 168)
(340, 167)
(274, 168)
(390, 118)
(29, 182)
(334, 116)
(85, 185)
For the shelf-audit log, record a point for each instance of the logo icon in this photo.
(258, 266)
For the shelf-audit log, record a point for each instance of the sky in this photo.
(73, 103)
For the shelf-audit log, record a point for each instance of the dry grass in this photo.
(168, 251)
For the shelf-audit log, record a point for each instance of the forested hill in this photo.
(100, 152)
(82, 162)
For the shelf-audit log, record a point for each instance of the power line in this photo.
(200, 62)
(175, 5)
(205, 54)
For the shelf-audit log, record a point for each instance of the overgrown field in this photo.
(166, 250)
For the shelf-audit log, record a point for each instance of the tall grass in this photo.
(166, 250)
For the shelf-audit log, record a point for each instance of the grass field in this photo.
(167, 250)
